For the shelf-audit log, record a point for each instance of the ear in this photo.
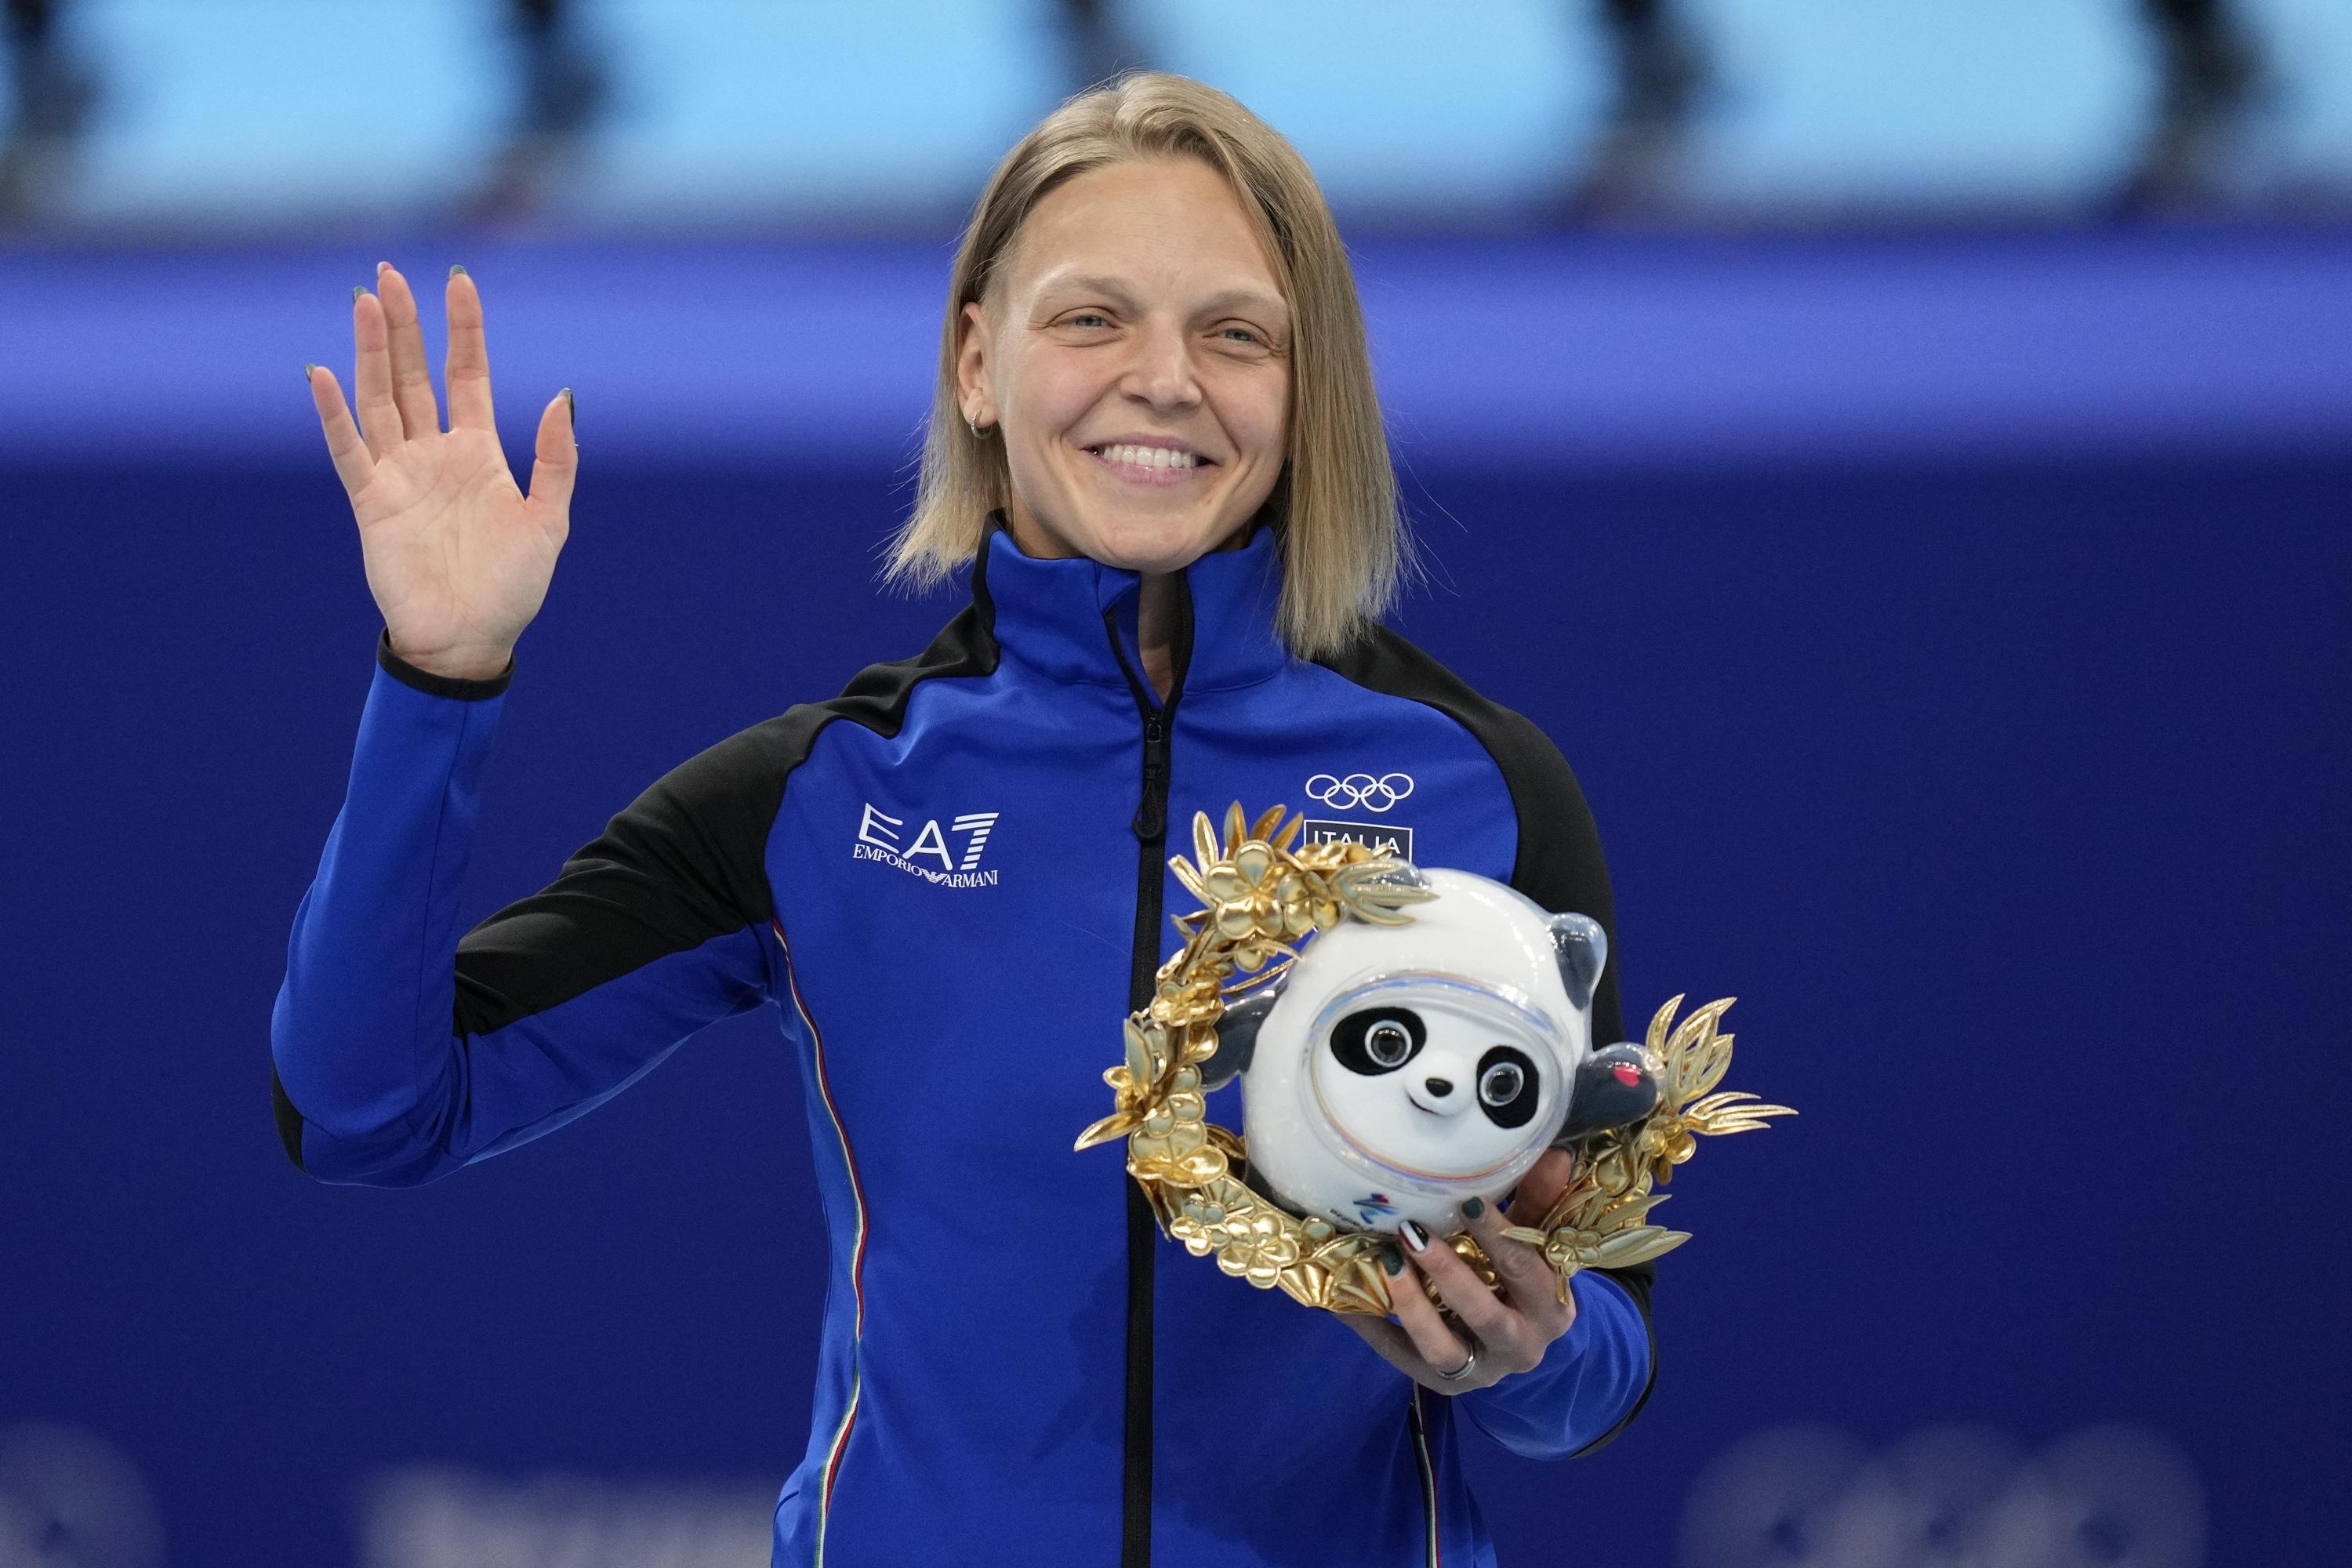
(1583, 948)
(1613, 1088)
(1237, 1036)
(972, 364)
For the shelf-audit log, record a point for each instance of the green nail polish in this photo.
(355, 295)
(571, 406)
(1391, 1261)
(458, 270)
(1473, 1208)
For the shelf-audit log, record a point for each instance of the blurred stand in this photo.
(1660, 77)
(1098, 43)
(564, 89)
(2212, 82)
(50, 99)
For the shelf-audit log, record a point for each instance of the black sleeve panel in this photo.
(1559, 863)
(434, 685)
(288, 1120)
(686, 860)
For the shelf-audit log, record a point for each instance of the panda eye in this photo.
(1507, 1087)
(1378, 1040)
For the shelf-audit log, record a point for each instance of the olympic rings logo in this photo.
(1373, 795)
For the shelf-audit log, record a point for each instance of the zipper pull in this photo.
(1152, 814)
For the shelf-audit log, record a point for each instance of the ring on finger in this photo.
(1459, 1372)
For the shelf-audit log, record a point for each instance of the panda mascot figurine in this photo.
(1395, 1070)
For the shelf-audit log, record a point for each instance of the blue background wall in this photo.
(2002, 773)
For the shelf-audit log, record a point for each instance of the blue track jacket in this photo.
(986, 820)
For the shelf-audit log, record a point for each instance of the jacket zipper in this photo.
(1150, 828)
(1142, 1231)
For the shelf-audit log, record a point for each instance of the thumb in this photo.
(1541, 1188)
(556, 460)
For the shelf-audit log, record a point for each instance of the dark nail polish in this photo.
(355, 295)
(1473, 1208)
(571, 408)
(1412, 1235)
(308, 370)
(1392, 1260)
(458, 270)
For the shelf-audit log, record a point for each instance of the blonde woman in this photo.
(1156, 448)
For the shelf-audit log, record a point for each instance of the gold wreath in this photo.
(1260, 897)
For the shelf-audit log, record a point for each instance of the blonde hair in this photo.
(1344, 539)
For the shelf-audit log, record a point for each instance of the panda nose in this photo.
(1440, 1087)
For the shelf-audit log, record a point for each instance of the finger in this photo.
(1525, 1273)
(412, 382)
(353, 464)
(1541, 1187)
(1394, 1345)
(1473, 1302)
(1439, 1347)
(556, 460)
(468, 369)
(372, 376)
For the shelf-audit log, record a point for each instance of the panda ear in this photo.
(1581, 948)
(1237, 1036)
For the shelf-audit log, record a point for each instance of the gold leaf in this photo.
(1236, 827)
(1205, 839)
(1664, 1015)
(1109, 1128)
(1527, 1234)
(1263, 828)
(1289, 834)
(1140, 1066)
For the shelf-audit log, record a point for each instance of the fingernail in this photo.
(1473, 1208)
(1412, 1235)
(571, 408)
(1392, 1260)
(355, 295)
(382, 268)
(456, 269)
(307, 369)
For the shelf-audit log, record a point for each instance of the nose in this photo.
(1440, 1087)
(1160, 372)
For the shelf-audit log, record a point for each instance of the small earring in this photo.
(972, 424)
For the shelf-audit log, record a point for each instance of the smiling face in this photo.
(1133, 351)
(1429, 1088)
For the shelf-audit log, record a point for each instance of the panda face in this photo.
(1434, 1089)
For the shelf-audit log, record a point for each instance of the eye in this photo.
(1508, 1087)
(1086, 316)
(1245, 332)
(1378, 1039)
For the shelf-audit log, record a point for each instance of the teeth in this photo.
(1149, 456)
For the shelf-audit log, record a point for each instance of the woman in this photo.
(1155, 441)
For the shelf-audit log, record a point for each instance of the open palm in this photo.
(458, 557)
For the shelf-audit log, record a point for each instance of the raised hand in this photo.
(458, 558)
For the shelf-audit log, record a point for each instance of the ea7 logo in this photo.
(882, 837)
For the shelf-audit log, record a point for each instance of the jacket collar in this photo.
(1057, 617)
